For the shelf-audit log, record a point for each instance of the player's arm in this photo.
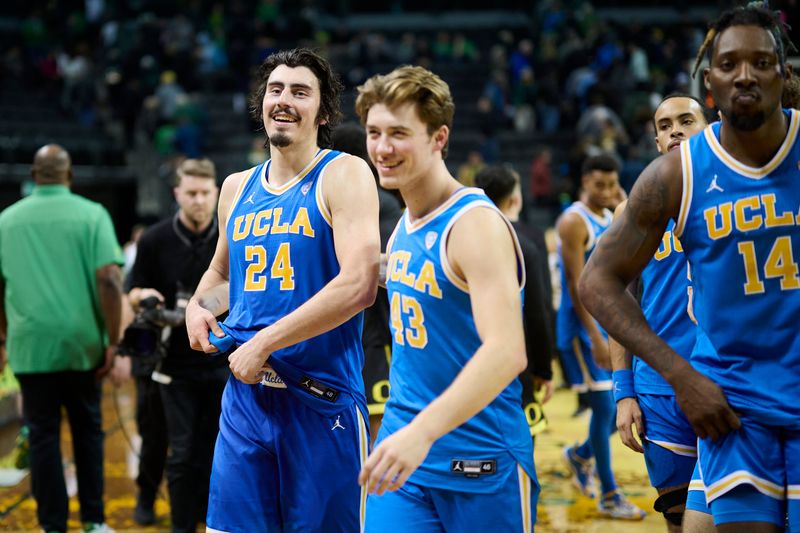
(536, 322)
(490, 271)
(211, 297)
(573, 234)
(628, 411)
(621, 255)
(352, 197)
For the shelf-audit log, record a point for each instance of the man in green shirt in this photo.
(60, 316)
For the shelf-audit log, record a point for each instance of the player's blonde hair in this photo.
(197, 168)
(407, 84)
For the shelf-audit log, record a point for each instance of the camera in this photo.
(146, 336)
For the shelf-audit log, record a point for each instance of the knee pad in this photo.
(671, 499)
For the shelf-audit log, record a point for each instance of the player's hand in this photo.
(199, 322)
(547, 384)
(628, 414)
(394, 460)
(108, 361)
(600, 353)
(705, 405)
(121, 371)
(248, 362)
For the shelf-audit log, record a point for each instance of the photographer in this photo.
(172, 257)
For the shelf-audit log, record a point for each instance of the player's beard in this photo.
(749, 122)
(280, 140)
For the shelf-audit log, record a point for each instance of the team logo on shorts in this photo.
(430, 239)
(337, 424)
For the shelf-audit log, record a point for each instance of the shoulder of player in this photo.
(571, 225)
(657, 191)
(232, 182)
(620, 208)
(346, 167)
(477, 226)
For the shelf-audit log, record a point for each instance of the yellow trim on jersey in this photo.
(742, 477)
(451, 275)
(238, 194)
(292, 182)
(678, 449)
(697, 484)
(323, 208)
(363, 446)
(793, 492)
(688, 185)
(525, 498)
(753, 172)
(411, 227)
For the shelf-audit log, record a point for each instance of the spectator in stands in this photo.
(61, 336)
(470, 167)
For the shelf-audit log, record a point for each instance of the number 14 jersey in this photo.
(740, 229)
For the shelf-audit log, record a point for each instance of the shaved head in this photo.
(51, 164)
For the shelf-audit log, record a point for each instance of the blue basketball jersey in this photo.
(739, 227)
(595, 226)
(664, 304)
(281, 253)
(433, 338)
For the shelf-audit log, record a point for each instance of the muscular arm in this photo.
(620, 358)
(489, 270)
(621, 255)
(353, 199)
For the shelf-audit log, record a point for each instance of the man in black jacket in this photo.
(501, 184)
(171, 258)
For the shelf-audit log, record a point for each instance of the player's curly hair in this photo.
(753, 14)
(330, 88)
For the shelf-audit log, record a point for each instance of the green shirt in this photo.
(51, 243)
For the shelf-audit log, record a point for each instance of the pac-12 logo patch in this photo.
(430, 239)
(304, 189)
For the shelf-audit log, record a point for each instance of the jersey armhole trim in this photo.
(240, 191)
(686, 195)
(447, 268)
(322, 206)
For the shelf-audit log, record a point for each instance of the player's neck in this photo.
(596, 209)
(429, 192)
(755, 148)
(288, 162)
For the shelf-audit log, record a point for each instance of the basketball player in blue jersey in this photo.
(454, 450)
(300, 255)
(643, 397)
(583, 346)
(733, 192)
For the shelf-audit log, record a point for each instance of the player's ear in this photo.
(706, 72)
(440, 137)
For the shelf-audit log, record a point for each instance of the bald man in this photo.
(60, 321)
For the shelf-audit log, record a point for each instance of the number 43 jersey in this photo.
(740, 229)
(433, 337)
(281, 253)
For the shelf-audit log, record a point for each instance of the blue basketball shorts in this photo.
(279, 465)
(573, 342)
(670, 445)
(696, 499)
(753, 474)
(417, 509)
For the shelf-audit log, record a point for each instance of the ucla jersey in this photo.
(281, 253)
(595, 226)
(739, 227)
(664, 304)
(433, 338)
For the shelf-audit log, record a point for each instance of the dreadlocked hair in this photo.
(753, 14)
